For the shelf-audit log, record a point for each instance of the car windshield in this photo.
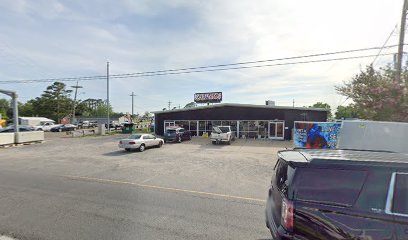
(171, 131)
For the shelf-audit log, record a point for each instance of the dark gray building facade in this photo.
(248, 121)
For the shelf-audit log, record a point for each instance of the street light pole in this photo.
(133, 95)
(107, 93)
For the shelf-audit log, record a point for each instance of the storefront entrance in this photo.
(276, 130)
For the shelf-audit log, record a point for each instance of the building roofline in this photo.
(240, 105)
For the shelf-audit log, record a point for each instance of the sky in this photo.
(58, 39)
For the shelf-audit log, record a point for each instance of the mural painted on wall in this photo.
(316, 135)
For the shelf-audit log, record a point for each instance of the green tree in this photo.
(102, 110)
(344, 112)
(146, 115)
(376, 94)
(5, 108)
(26, 109)
(54, 103)
(325, 106)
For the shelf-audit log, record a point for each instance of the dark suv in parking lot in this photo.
(338, 194)
(176, 135)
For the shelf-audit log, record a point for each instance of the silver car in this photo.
(140, 142)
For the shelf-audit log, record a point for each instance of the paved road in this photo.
(87, 189)
(38, 206)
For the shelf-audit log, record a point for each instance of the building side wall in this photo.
(242, 113)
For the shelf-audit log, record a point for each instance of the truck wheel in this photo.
(229, 142)
(214, 142)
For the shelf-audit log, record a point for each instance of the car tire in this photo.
(214, 142)
(127, 149)
(179, 140)
(160, 144)
(229, 142)
(142, 148)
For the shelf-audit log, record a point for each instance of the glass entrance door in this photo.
(276, 130)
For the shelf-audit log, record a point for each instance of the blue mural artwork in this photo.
(316, 135)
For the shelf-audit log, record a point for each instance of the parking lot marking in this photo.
(163, 188)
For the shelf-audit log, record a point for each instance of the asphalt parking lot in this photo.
(231, 178)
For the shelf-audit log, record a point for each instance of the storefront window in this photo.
(193, 128)
(233, 125)
(263, 129)
(216, 123)
(209, 126)
(243, 127)
(202, 127)
(184, 124)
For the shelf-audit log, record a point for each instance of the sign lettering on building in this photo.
(211, 97)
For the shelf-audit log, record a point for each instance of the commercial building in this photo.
(249, 121)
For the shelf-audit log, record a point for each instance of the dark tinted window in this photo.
(330, 186)
(284, 175)
(400, 204)
(373, 197)
(171, 130)
(181, 130)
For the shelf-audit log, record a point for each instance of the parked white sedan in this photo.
(140, 142)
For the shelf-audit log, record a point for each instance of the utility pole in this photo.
(179, 106)
(107, 93)
(169, 104)
(293, 102)
(132, 95)
(75, 98)
(401, 42)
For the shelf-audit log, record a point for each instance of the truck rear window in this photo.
(284, 175)
(224, 129)
(401, 194)
(329, 186)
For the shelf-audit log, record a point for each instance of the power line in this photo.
(204, 70)
(256, 66)
(258, 61)
(209, 68)
(386, 41)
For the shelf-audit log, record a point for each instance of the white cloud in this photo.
(58, 38)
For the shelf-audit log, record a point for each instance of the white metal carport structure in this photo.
(13, 95)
